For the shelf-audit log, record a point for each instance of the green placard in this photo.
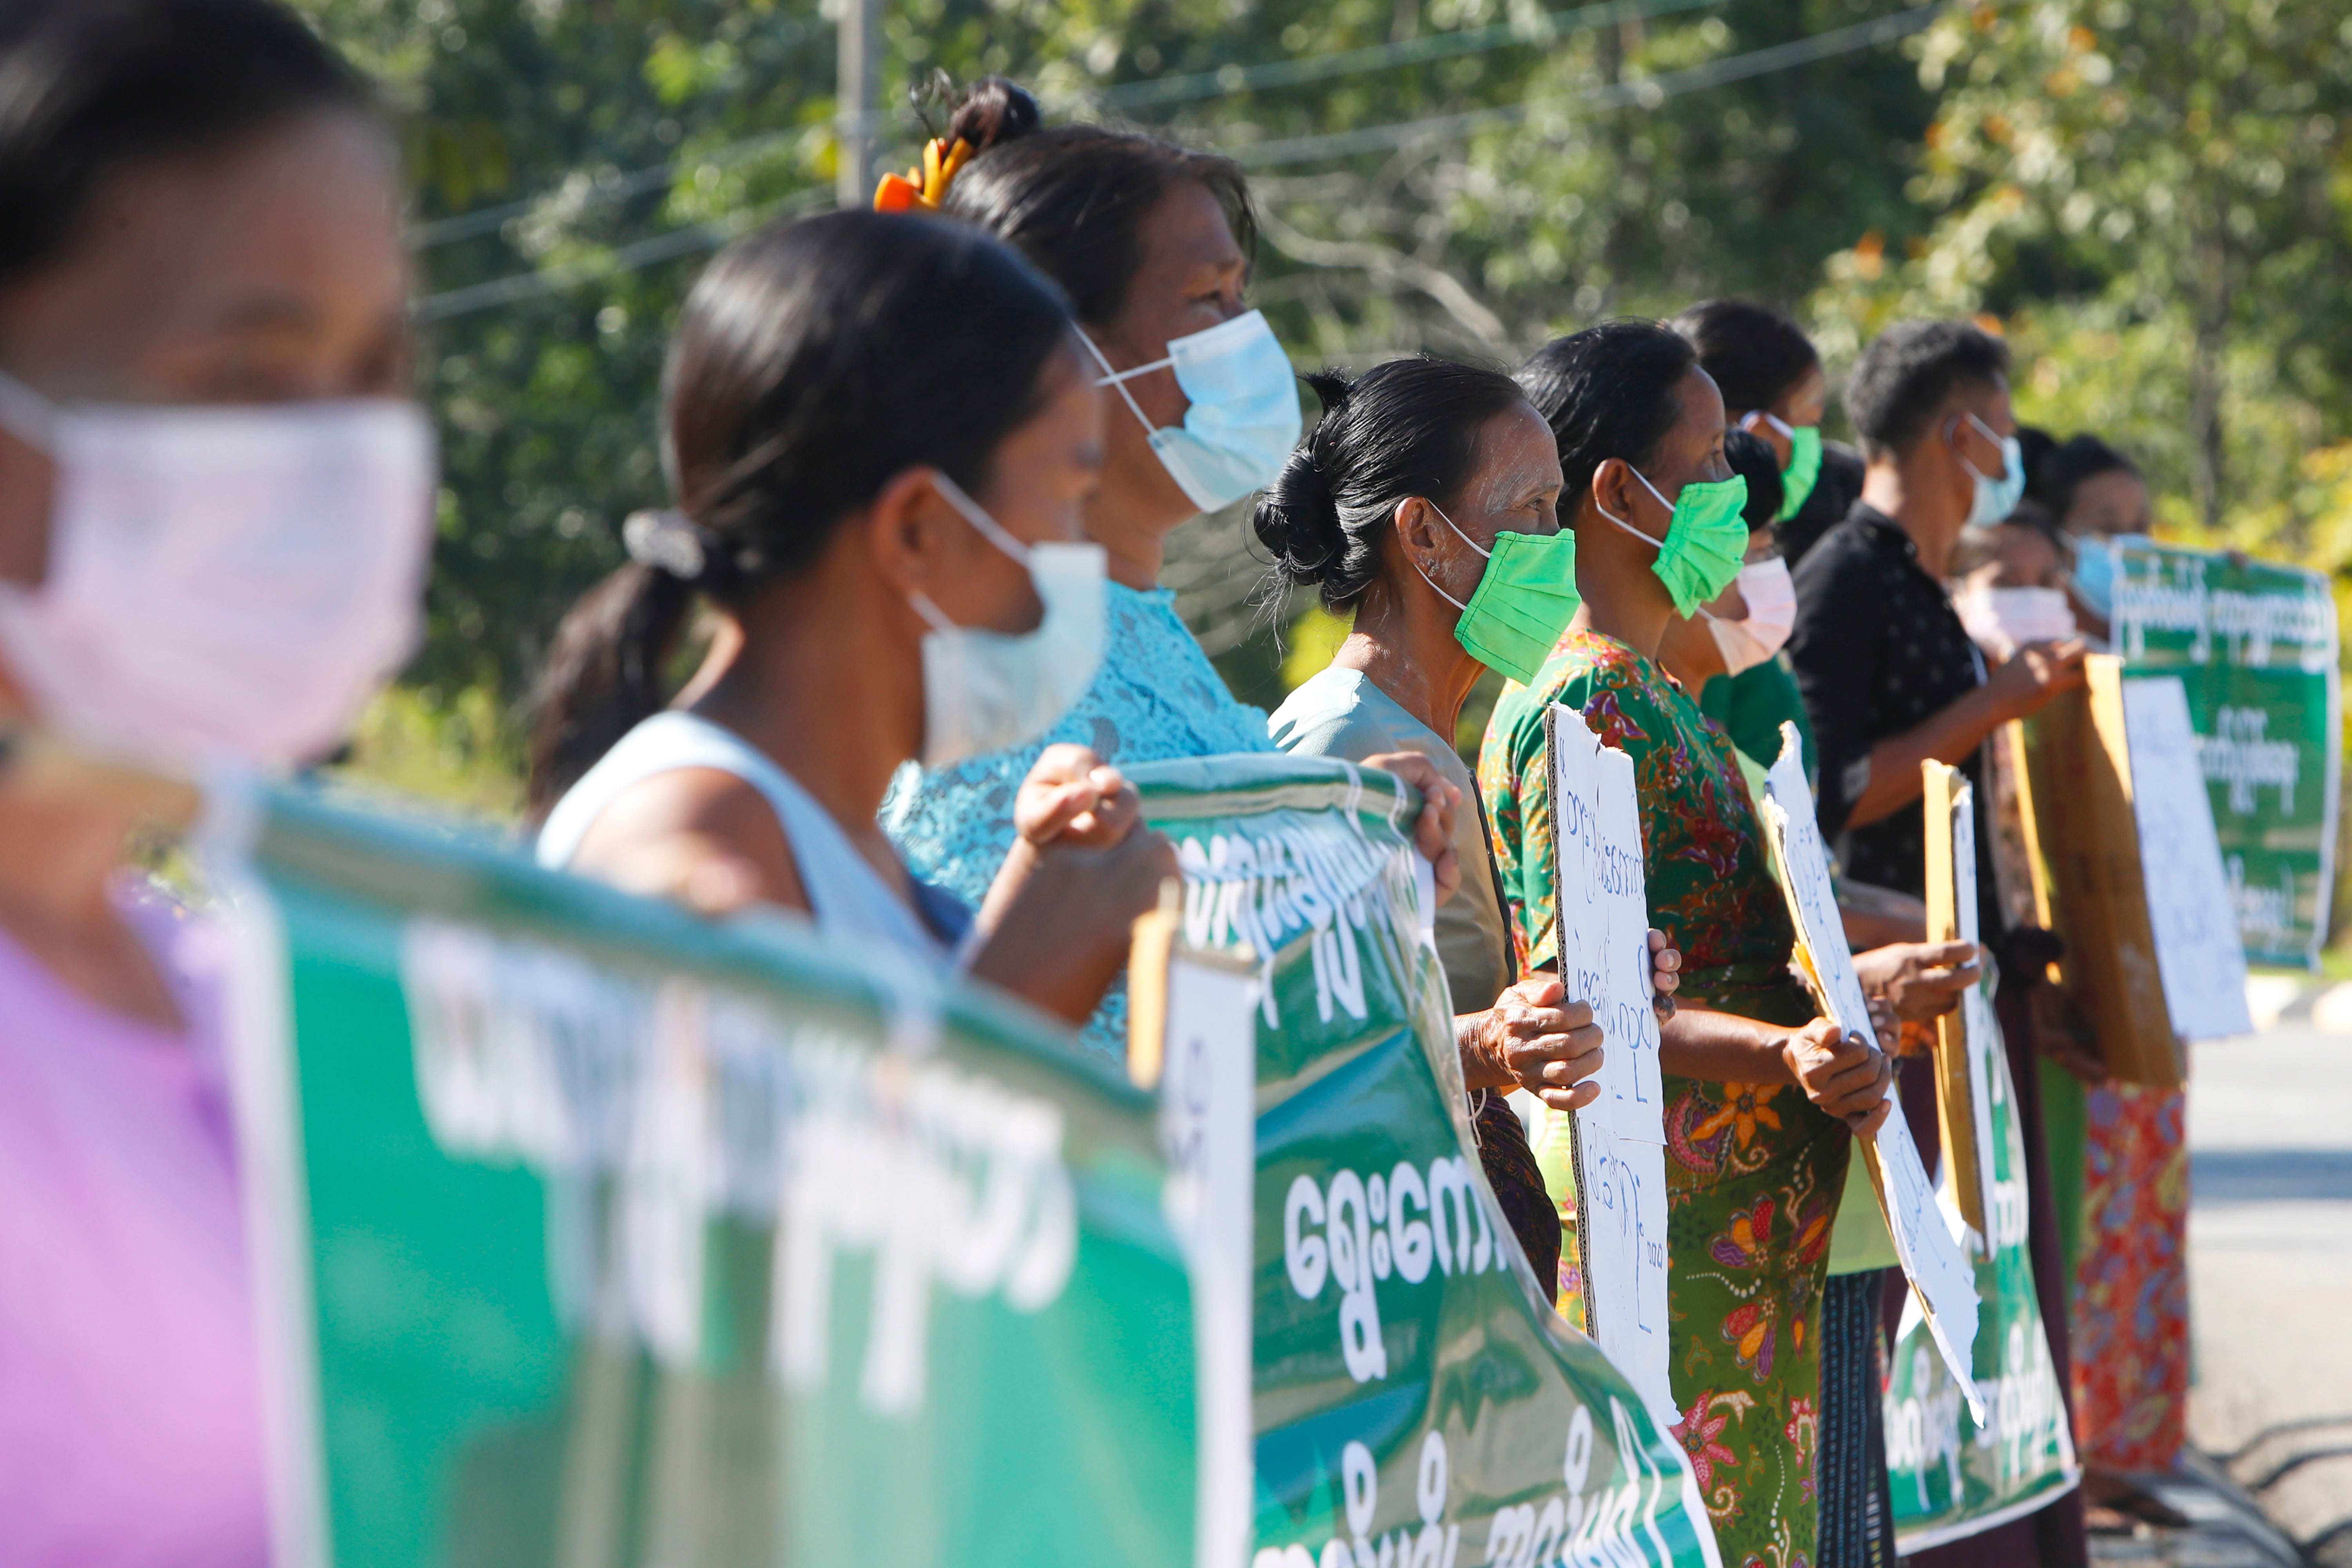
(1418, 1403)
(1949, 1474)
(599, 1236)
(2255, 647)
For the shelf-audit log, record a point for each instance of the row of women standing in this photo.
(923, 465)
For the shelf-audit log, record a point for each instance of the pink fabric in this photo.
(130, 1411)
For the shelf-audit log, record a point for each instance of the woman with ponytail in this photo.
(880, 432)
(1151, 243)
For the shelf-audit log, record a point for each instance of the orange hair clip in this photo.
(925, 187)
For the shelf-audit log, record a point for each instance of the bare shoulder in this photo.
(656, 832)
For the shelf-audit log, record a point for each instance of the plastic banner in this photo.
(2255, 647)
(1418, 1403)
(596, 1234)
(1951, 1475)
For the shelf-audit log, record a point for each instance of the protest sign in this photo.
(2199, 952)
(2254, 645)
(1417, 1399)
(1617, 1144)
(1924, 1243)
(1952, 1470)
(1961, 1115)
(596, 1235)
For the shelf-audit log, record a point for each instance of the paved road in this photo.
(2270, 1259)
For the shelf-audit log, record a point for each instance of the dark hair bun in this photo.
(1297, 517)
(993, 110)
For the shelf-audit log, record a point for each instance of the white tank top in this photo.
(844, 892)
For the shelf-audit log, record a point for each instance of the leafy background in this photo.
(2153, 200)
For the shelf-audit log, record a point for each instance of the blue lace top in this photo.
(1156, 696)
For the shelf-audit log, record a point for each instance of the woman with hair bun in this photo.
(1151, 241)
(1423, 504)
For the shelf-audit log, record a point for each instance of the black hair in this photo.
(1752, 459)
(1073, 198)
(1608, 392)
(1408, 427)
(813, 362)
(1906, 374)
(2034, 444)
(2066, 467)
(87, 86)
(1755, 355)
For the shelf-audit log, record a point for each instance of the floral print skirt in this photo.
(2131, 1284)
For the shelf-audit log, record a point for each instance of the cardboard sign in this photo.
(2198, 948)
(1924, 1244)
(1618, 1141)
(1963, 1110)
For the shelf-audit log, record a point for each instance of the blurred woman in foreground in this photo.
(215, 509)
(882, 433)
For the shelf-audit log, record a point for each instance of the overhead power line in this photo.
(1645, 91)
(1547, 28)
(1642, 92)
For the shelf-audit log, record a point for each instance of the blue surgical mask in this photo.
(2095, 572)
(1244, 419)
(1996, 499)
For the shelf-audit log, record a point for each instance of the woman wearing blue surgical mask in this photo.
(1151, 241)
(215, 510)
(881, 433)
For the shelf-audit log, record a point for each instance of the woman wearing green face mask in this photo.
(1423, 504)
(1772, 386)
(1762, 1098)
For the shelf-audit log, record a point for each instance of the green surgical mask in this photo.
(1704, 542)
(1523, 602)
(1805, 469)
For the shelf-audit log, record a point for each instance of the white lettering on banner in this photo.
(2263, 913)
(1265, 888)
(699, 1103)
(1925, 1430)
(1355, 1232)
(1925, 1244)
(2240, 753)
(2155, 594)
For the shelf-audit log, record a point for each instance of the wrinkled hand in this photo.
(1846, 1076)
(2035, 673)
(1534, 1038)
(1072, 799)
(1886, 1027)
(1666, 975)
(1433, 830)
(1919, 979)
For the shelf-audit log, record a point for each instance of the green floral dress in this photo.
(1753, 1170)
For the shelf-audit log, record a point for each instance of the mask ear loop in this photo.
(1657, 545)
(1117, 379)
(1988, 436)
(987, 527)
(1464, 537)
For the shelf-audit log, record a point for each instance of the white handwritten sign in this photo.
(1208, 1123)
(1925, 1244)
(2199, 950)
(1604, 914)
(1981, 1034)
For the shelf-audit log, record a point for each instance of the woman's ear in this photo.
(905, 528)
(1612, 488)
(1416, 530)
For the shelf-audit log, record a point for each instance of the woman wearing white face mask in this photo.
(881, 431)
(214, 505)
(1729, 653)
(1150, 240)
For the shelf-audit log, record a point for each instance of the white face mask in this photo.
(1771, 616)
(223, 583)
(2002, 620)
(985, 691)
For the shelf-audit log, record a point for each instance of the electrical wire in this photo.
(1644, 93)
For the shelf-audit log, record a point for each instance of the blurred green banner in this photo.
(1419, 1405)
(599, 1236)
(2255, 647)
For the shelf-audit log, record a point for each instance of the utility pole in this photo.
(856, 82)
